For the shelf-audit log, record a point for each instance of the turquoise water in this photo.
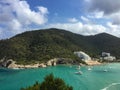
(95, 79)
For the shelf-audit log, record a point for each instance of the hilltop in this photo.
(43, 45)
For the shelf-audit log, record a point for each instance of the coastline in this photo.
(52, 62)
(67, 72)
(92, 62)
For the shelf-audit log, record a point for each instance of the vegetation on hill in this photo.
(49, 83)
(42, 45)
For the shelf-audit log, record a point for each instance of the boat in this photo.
(89, 69)
(78, 67)
(105, 70)
(79, 72)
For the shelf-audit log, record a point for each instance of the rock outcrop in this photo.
(5, 63)
(52, 62)
(12, 64)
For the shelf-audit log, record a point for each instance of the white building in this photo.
(106, 56)
(82, 55)
(110, 58)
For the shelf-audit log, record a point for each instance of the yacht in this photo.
(79, 72)
(105, 70)
(89, 69)
(78, 67)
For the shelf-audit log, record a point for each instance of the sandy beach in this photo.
(91, 62)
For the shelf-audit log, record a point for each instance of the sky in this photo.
(85, 17)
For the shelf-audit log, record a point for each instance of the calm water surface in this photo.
(102, 77)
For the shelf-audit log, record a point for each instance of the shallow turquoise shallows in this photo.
(102, 77)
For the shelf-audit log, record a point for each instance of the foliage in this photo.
(42, 45)
(50, 83)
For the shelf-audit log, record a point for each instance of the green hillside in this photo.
(42, 45)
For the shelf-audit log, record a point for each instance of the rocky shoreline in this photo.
(53, 62)
(13, 65)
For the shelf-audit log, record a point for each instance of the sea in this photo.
(100, 77)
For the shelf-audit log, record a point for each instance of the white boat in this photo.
(89, 69)
(79, 72)
(105, 70)
(78, 67)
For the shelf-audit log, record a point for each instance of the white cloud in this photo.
(16, 15)
(28, 16)
(109, 9)
(115, 18)
(110, 25)
(88, 28)
(73, 20)
(16, 26)
(96, 15)
(43, 10)
(107, 6)
(80, 28)
(113, 29)
(85, 19)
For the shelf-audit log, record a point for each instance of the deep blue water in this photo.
(95, 79)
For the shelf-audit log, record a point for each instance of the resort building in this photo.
(106, 56)
(83, 56)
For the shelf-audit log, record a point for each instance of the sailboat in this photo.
(89, 69)
(105, 70)
(79, 72)
(78, 67)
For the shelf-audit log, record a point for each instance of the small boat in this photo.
(105, 70)
(89, 69)
(78, 67)
(79, 72)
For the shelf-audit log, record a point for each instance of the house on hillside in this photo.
(107, 57)
(82, 55)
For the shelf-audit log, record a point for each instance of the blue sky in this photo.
(86, 17)
(60, 10)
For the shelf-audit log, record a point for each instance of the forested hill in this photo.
(55, 43)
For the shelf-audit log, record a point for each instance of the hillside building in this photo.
(83, 56)
(107, 57)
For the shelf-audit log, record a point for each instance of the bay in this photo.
(101, 77)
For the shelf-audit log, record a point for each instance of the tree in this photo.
(50, 83)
